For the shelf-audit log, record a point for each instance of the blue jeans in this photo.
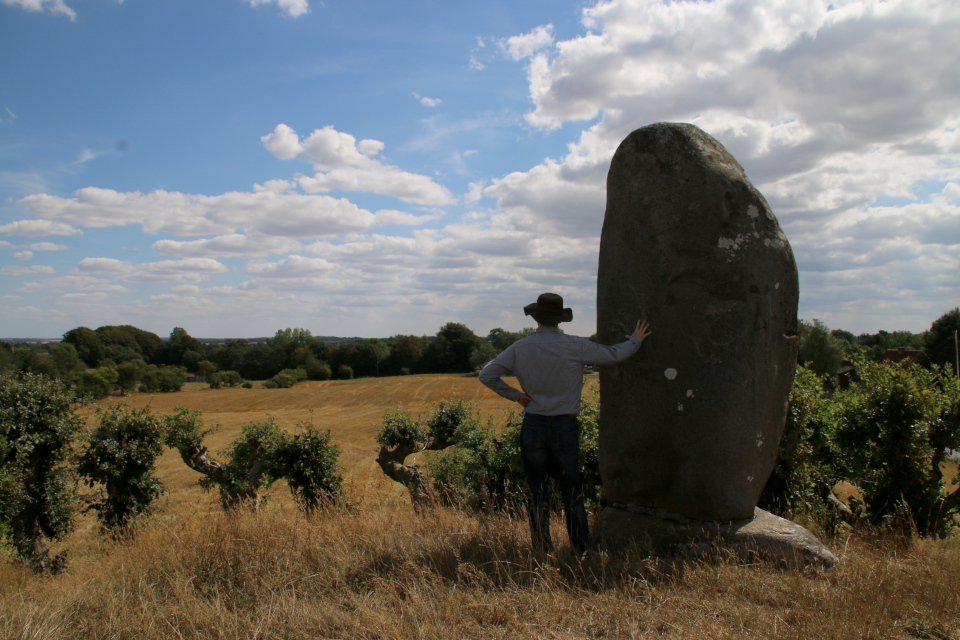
(550, 448)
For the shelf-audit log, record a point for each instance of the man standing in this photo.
(549, 368)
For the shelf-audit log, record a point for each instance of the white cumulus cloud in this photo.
(53, 6)
(292, 8)
(26, 271)
(831, 108)
(527, 44)
(265, 212)
(344, 164)
(38, 228)
(185, 270)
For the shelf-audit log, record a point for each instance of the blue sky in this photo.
(372, 168)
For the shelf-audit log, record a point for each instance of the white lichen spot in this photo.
(749, 478)
(727, 243)
(679, 407)
(689, 393)
(776, 286)
(670, 373)
(753, 212)
(759, 440)
(774, 243)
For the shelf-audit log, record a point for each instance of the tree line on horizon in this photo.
(125, 358)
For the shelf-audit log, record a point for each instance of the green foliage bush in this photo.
(890, 433)
(93, 385)
(286, 379)
(230, 378)
(482, 470)
(119, 459)
(37, 430)
(309, 462)
(171, 378)
(398, 428)
(447, 417)
(805, 458)
(476, 465)
(886, 434)
(246, 464)
(939, 340)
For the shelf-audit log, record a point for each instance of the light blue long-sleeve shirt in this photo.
(549, 367)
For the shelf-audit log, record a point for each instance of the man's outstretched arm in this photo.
(600, 354)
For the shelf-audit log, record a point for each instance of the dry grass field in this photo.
(379, 571)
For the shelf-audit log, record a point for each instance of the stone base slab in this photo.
(764, 536)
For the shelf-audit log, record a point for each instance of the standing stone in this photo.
(692, 423)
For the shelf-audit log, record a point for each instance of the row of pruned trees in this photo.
(46, 456)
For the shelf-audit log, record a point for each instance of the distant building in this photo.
(846, 374)
(912, 355)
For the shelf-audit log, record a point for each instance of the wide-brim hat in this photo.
(548, 309)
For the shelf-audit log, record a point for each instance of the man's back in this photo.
(549, 367)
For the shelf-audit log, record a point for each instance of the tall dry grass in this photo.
(388, 574)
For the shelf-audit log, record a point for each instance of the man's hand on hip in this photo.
(524, 400)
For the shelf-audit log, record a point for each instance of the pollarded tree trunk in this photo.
(231, 498)
(410, 476)
(27, 529)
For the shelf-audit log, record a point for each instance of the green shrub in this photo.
(805, 462)
(886, 434)
(37, 429)
(446, 417)
(483, 469)
(398, 428)
(309, 462)
(167, 378)
(890, 433)
(345, 372)
(316, 369)
(231, 378)
(119, 458)
(92, 385)
(286, 379)
(245, 467)
(589, 419)
(247, 385)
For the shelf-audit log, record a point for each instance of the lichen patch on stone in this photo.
(670, 373)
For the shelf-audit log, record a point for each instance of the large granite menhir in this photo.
(691, 424)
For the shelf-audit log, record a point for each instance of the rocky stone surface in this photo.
(762, 536)
(692, 423)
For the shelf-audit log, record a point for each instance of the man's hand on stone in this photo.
(524, 400)
(642, 332)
